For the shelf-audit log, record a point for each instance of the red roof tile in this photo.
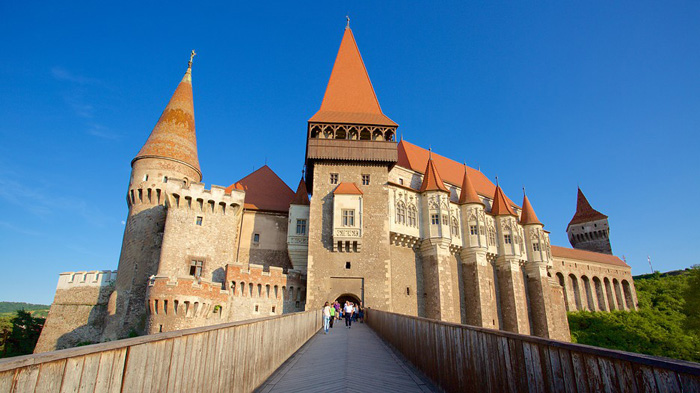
(174, 136)
(415, 158)
(584, 211)
(264, 190)
(346, 188)
(350, 97)
(500, 205)
(469, 194)
(528, 216)
(432, 180)
(301, 197)
(587, 256)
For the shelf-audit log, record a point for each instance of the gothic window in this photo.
(401, 213)
(348, 217)
(365, 180)
(508, 239)
(455, 227)
(196, 268)
(412, 216)
(301, 227)
(473, 230)
(334, 178)
(445, 220)
(536, 246)
(492, 237)
(435, 219)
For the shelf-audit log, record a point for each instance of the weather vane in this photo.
(192, 55)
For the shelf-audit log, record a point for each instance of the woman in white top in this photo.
(326, 317)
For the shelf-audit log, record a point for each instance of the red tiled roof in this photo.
(301, 197)
(350, 97)
(587, 256)
(415, 158)
(528, 216)
(174, 135)
(347, 188)
(584, 211)
(432, 180)
(469, 194)
(500, 205)
(264, 190)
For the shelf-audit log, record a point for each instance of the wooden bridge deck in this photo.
(346, 360)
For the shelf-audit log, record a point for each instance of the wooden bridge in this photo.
(391, 352)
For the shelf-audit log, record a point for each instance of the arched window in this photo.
(455, 227)
(412, 216)
(389, 136)
(377, 136)
(365, 135)
(353, 134)
(315, 132)
(340, 133)
(401, 213)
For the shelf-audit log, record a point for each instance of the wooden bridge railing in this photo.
(231, 357)
(461, 358)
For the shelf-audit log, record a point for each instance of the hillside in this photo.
(666, 324)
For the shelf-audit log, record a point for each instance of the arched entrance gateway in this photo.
(347, 297)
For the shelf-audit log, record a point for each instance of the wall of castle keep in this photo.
(271, 248)
(78, 310)
(370, 268)
(407, 290)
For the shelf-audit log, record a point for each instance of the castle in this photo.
(390, 224)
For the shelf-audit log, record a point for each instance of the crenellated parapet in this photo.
(178, 303)
(194, 196)
(94, 278)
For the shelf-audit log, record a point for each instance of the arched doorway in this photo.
(347, 297)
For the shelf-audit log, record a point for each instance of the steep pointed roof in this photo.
(500, 205)
(468, 194)
(174, 136)
(350, 97)
(415, 158)
(431, 179)
(264, 190)
(301, 197)
(584, 211)
(528, 216)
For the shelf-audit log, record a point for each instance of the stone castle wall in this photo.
(78, 311)
(271, 247)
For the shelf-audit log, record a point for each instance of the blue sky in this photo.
(544, 95)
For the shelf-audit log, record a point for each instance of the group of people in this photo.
(349, 311)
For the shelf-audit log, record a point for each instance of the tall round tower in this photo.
(169, 154)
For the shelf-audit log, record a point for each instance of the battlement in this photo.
(95, 278)
(195, 195)
(239, 271)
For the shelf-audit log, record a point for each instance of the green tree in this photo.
(691, 296)
(24, 335)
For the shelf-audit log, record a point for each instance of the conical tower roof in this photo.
(301, 197)
(528, 215)
(500, 204)
(468, 194)
(431, 179)
(350, 97)
(584, 211)
(174, 136)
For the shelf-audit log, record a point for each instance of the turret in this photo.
(298, 228)
(472, 209)
(506, 223)
(169, 153)
(589, 229)
(536, 240)
(435, 203)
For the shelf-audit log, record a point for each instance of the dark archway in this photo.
(347, 297)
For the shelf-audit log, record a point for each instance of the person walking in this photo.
(332, 311)
(348, 314)
(361, 313)
(326, 317)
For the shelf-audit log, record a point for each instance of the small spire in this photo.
(430, 152)
(468, 194)
(192, 55)
(528, 216)
(496, 180)
(347, 17)
(524, 193)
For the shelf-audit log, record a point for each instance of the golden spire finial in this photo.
(192, 55)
